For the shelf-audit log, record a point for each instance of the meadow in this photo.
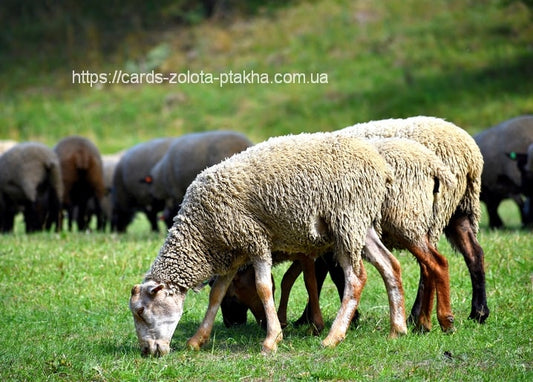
(64, 301)
(65, 317)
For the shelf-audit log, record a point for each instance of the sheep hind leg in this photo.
(461, 235)
(437, 266)
(218, 290)
(263, 283)
(354, 283)
(421, 311)
(389, 268)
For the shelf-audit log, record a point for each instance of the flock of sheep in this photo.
(325, 201)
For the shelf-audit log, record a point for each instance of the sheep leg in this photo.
(389, 268)
(287, 282)
(263, 284)
(218, 290)
(424, 299)
(321, 271)
(462, 236)
(437, 266)
(308, 264)
(353, 288)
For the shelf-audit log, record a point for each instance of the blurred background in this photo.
(470, 62)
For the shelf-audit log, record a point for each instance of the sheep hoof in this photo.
(397, 332)
(267, 350)
(331, 342)
(193, 345)
(480, 315)
(421, 329)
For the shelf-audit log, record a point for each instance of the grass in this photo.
(65, 317)
(64, 296)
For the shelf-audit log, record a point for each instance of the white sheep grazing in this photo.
(295, 194)
(459, 152)
(413, 214)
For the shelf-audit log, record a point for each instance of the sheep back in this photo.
(454, 146)
(189, 155)
(295, 194)
(81, 168)
(414, 206)
(25, 166)
(30, 178)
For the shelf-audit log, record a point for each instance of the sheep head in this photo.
(156, 311)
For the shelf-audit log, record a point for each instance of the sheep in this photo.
(524, 162)
(130, 192)
(413, 216)
(501, 177)
(6, 145)
(30, 180)
(184, 159)
(294, 194)
(459, 152)
(104, 214)
(82, 175)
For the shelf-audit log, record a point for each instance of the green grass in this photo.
(65, 317)
(64, 296)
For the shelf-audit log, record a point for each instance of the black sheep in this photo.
(501, 178)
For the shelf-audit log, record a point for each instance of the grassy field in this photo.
(64, 296)
(65, 317)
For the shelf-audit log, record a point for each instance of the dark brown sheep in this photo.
(82, 174)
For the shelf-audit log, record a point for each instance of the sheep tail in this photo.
(82, 161)
(53, 171)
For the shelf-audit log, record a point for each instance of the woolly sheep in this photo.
(501, 177)
(185, 158)
(130, 193)
(459, 152)
(83, 180)
(30, 180)
(293, 194)
(413, 216)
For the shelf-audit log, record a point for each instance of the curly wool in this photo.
(454, 146)
(295, 194)
(416, 205)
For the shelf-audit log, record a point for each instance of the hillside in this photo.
(468, 62)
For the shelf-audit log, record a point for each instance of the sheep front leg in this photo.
(353, 289)
(218, 290)
(308, 264)
(389, 268)
(263, 283)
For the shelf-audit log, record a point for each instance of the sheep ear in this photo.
(135, 290)
(156, 289)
